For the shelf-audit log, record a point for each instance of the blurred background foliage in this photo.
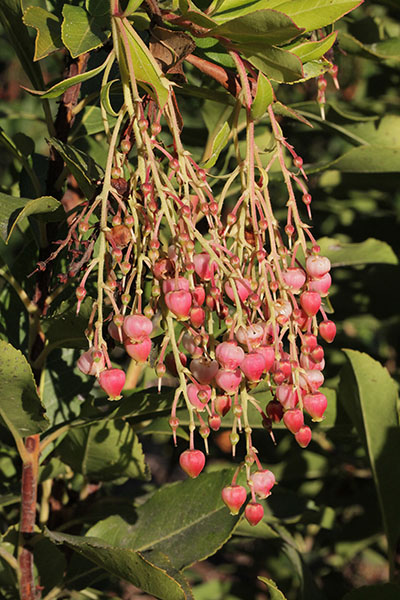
(323, 534)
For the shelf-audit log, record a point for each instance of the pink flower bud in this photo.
(254, 512)
(320, 285)
(315, 404)
(234, 496)
(136, 327)
(253, 366)
(204, 370)
(197, 316)
(294, 278)
(243, 289)
(112, 381)
(87, 365)
(317, 266)
(274, 411)
(229, 355)
(228, 381)
(263, 482)
(303, 436)
(293, 419)
(195, 390)
(222, 405)
(179, 303)
(175, 284)
(268, 354)
(327, 330)
(139, 351)
(202, 266)
(310, 302)
(287, 396)
(192, 462)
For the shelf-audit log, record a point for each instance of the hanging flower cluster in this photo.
(238, 294)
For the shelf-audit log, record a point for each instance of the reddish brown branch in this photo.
(28, 590)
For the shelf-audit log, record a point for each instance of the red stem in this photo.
(28, 590)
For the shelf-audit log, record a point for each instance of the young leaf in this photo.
(371, 251)
(20, 408)
(48, 31)
(262, 26)
(13, 210)
(309, 51)
(263, 98)
(274, 592)
(145, 67)
(275, 63)
(206, 522)
(370, 397)
(219, 142)
(106, 450)
(164, 582)
(79, 31)
(59, 88)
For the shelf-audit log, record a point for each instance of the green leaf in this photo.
(64, 327)
(274, 592)
(206, 522)
(275, 63)
(370, 397)
(16, 31)
(218, 144)
(81, 165)
(385, 591)
(309, 51)
(164, 582)
(107, 450)
(263, 98)
(80, 31)
(386, 49)
(262, 27)
(371, 251)
(145, 67)
(231, 9)
(105, 97)
(48, 31)
(59, 88)
(98, 8)
(314, 14)
(20, 409)
(13, 210)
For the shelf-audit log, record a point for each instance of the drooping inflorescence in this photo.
(238, 295)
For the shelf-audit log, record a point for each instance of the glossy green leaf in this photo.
(145, 67)
(218, 144)
(309, 51)
(13, 210)
(48, 31)
(370, 397)
(81, 165)
(371, 251)
(263, 98)
(275, 63)
(107, 450)
(80, 31)
(163, 582)
(20, 408)
(314, 14)
(384, 591)
(274, 592)
(146, 402)
(59, 88)
(206, 522)
(262, 26)
(22, 43)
